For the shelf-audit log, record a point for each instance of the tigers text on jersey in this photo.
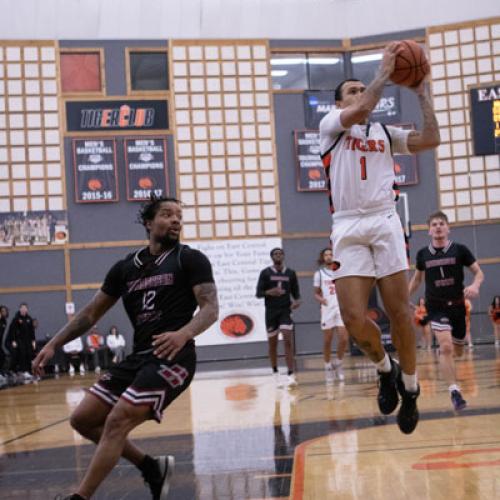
(157, 290)
(444, 271)
(359, 164)
(323, 279)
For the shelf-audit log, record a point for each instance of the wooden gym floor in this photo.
(235, 436)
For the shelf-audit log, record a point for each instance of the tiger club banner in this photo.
(94, 163)
(236, 266)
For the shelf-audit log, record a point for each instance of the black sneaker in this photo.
(408, 412)
(458, 401)
(159, 480)
(387, 389)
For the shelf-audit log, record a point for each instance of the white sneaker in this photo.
(292, 381)
(339, 369)
(27, 376)
(97, 369)
(71, 370)
(329, 374)
(82, 370)
(277, 380)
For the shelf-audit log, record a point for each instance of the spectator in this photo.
(96, 347)
(494, 312)
(73, 352)
(116, 344)
(22, 341)
(4, 353)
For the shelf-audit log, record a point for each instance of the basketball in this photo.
(411, 65)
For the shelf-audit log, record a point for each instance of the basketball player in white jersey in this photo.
(331, 321)
(367, 237)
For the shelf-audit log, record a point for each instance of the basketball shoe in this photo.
(458, 401)
(387, 389)
(158, 477)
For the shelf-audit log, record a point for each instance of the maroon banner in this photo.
(94, 164)
(146, 167)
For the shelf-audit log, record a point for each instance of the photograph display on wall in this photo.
(146, 167)
(33, 228)
(485, 119)
(94, 163)
(310, 171)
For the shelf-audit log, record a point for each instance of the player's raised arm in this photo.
(360, 109)
(82, 322)
(428, 137)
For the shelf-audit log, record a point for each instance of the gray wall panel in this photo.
(91, 265)
(396, 35)
(46, 307)
(280, 44)
(32, 268)
(296, 207)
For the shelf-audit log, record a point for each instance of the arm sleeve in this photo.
(399, 138)
(329, 128)
(467, 258)
(317, 280)
(420, 265)
(294, 287)
(113, 282)
(197, 267)
(261, 286)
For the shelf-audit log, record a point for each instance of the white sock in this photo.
(410, 382)
(328, 366)
(384, 366)
(454, 387)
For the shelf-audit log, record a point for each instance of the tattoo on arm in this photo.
(206, 296)
(428, 137)
(84, 319)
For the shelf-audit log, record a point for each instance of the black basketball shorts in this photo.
(448, 317)
(278, 320)
(144, 379)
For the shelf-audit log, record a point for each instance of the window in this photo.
(81, 72)
(303, 71)
(148, 71)
(365, 65)
(325, 71)
(289, 71)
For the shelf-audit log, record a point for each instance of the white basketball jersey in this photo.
(359, 164)
(323, 279)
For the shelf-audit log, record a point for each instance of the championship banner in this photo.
(146, 168)
(125, 114)
(485, 118)
(237, 265)
(310, 171)
(94, 163)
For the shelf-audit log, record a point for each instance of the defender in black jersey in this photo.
(279, 287)
(442, 263)
(161, 286)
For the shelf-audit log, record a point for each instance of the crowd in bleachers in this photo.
(19, 345)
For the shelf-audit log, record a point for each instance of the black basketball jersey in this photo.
(444, 271)
(286, 279)
(157, 290)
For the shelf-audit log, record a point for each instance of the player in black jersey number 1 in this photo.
(442, 263)
(161, 286)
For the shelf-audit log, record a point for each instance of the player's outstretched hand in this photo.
(41, 360)
(168, 344)
(389, 58)
(471, 292)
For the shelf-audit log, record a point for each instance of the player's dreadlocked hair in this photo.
(148, 210)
